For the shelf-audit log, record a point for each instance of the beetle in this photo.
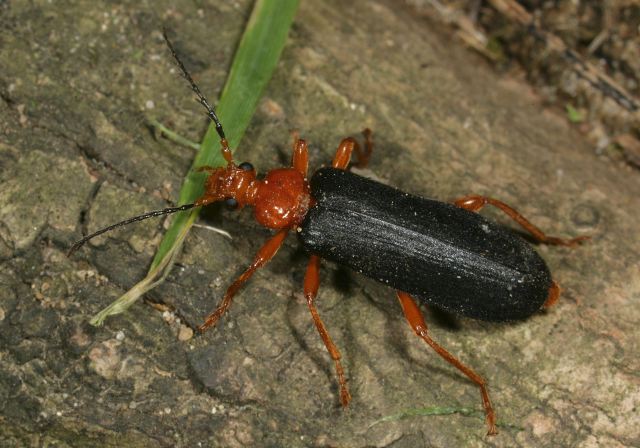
(437, 253)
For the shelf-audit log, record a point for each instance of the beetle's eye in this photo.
(231, 204)
(245, 166)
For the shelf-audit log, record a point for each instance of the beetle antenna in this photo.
(201, 98)
(78, 244)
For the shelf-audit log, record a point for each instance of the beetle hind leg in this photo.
(419, 326)
(475, 203)
(554, 295)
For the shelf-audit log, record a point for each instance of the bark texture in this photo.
(78, 85)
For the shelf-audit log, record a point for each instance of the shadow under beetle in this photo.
(442, 254)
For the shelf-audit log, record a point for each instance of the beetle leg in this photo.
(474, 203)
(416, 321)
(343, 153)
(311, 285)
(348, 145)
(266, 253)
(554, 295)
(300, 157)
(364, 155)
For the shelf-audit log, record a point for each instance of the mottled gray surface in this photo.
(79, 80)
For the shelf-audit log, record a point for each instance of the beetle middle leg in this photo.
(266, 253)
(311, 285)
(417, 322)
(475, 203)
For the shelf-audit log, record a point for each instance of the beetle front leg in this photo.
(475, 203)
(300, 157)
(416, 321)
(311, 285)
(266, 253)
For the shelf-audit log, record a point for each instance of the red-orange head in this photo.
(235, 184)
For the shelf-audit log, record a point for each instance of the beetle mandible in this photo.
(443, 254)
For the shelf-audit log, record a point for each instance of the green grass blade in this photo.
(439, 410)
(253, 64)
(173, 136)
